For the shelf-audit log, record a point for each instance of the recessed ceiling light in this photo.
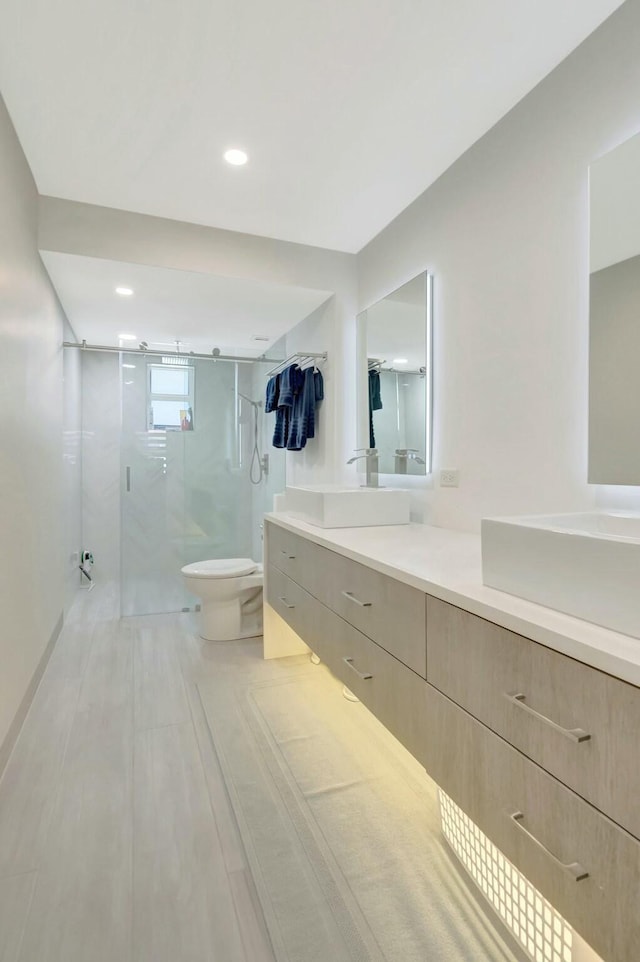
(129, 365)
(124, 291)
(127, 337)
(235, 157)
(400, 360)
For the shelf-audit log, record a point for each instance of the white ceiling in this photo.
(349, 109)
(202, 311)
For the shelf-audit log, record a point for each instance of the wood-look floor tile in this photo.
(232, 848)
(82, 904)
(81, 909)
(107, 686)
(160, 698)
(15, 898)
(71, 653)
(255, 937)
(183, 906)
(30, 781)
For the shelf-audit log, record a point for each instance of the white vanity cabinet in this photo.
(537, 748)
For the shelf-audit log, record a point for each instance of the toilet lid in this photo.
(221, 568)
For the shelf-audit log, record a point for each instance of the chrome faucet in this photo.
(371, 457)
(403, 456)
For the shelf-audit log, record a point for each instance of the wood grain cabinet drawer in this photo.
(393, 692)
(304, 613)
(291, 553)
(546, 830)
(388, 611)
(390, 690)
(575, 721)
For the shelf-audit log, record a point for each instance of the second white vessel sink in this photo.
(585, 564)
(335, 506)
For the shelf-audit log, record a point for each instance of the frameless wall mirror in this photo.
(395, 378)
(614, 316)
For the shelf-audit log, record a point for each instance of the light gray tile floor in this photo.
(117, 840)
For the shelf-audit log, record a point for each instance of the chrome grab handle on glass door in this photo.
(285, 602)
(356, 601)
(128, 476)
(573, 869)
(575, 734)
(365, 677)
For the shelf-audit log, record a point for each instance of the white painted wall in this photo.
(72, 466)
(32, 506)
(319, 459)
(262, 495)
(505, 231)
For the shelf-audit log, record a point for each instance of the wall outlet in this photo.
(450, 478)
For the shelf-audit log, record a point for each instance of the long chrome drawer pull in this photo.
(574, 869)
(349, 662)
(290, 557)
(575, 734)
(286, 603)
(356, 601)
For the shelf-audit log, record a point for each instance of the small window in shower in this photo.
(171, 397)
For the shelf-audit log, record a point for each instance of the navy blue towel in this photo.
(291, 381)
(375, 403)
(302, 424)
(273, 390)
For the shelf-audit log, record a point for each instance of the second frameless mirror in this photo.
(614, 312)
(395, 368)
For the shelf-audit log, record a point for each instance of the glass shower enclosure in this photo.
(187, 494)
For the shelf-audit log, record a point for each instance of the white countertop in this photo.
(447, 565)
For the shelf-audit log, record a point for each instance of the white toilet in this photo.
(230, 591)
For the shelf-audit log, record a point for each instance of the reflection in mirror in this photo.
(394, 351)
(614, 316)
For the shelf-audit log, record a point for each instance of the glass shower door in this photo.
(217, 495)
(152, 493)
(186, 495)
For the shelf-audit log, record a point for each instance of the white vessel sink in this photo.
(335, 506)
(585, 564)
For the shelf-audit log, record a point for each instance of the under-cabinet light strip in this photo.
(536, 925)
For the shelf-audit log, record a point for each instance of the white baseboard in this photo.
(14, 729)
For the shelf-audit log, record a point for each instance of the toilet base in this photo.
(226, 621)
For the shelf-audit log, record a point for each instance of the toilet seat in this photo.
(220, 568)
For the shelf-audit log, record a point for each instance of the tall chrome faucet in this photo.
(403, 456)
(371, 457)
